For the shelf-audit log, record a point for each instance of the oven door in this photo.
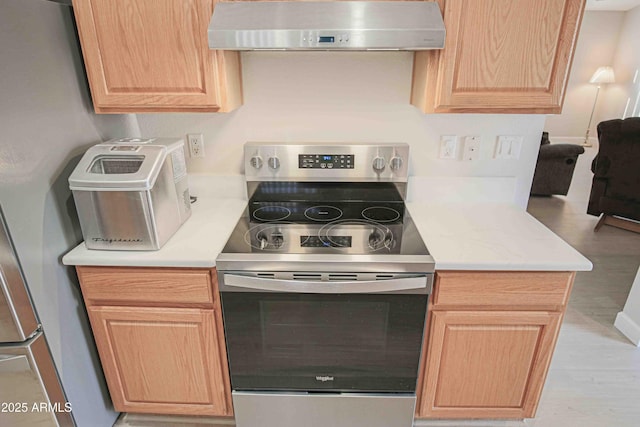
(300, 335)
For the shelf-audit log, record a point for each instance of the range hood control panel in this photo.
(314, 39)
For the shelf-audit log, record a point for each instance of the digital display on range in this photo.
(327, 242)
(326, 161)
(326, 39)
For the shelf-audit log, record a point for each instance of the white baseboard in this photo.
(628, 327)
(469, 423)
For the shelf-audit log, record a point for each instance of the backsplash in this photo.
(350, 97)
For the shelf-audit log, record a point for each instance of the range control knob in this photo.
(274, 162)
(277, 239)
(256, 162)
(263, 241)
(379, 239)
(378, 164)
(395, 163)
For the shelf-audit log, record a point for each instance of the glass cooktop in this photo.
(326, 218)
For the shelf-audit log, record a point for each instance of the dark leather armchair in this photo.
(616, 173)
(554, 168)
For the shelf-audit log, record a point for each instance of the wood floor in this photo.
(594, 380)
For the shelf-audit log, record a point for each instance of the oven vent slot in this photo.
(266, 275)
(384, 276)
(307, 276)
(343, 277)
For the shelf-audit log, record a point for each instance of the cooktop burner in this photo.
(381, 214)
(271, 213)
(323, 213)
(322, 202)
(347, 236)
(379, 236)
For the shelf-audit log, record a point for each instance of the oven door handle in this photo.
(405, 285)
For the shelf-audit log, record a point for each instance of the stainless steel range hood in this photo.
(339, 25)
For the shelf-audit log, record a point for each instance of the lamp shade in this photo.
(603, 75)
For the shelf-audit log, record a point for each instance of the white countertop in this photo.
(459, 236)
(492, 237)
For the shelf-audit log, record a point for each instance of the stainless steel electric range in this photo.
(324, 285)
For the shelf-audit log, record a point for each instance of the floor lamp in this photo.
(603, 75)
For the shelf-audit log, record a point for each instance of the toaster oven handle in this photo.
(405, 285)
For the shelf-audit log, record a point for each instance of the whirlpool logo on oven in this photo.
(324, 378)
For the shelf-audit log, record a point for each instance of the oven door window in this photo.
(307, 342)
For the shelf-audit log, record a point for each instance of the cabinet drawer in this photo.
(136, 285)
(546, 290)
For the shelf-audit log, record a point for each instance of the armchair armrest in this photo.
(549, 151)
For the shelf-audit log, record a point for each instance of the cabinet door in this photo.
(151, 55)
(160, 360)
(500, 56)
(487, 364)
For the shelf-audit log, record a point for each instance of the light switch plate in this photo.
(448, 146)
(471, 148)
(508, 147)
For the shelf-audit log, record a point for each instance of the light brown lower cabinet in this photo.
(489, 341)
(161, 351)
(483, 358)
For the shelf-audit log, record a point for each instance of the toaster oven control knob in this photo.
(256, 162)
(378, 164)
(395, 163)
(274, 163)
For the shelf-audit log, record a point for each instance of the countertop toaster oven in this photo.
(131, 193)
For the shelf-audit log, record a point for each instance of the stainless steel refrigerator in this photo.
(30, 390)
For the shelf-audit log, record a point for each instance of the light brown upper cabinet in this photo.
(500, 56)
(153, 56)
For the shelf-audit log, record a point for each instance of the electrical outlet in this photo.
(471, 148)
(508, 147)
(448, 146)
(196, 144)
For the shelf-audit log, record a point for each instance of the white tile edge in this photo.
(67, 259)
(513, 267)
(72, 259)
(71, 262)
(628, 327)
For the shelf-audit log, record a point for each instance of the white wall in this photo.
(628, 320)
(339, 96)
(625, 65)
(46, 123)
(596, 47)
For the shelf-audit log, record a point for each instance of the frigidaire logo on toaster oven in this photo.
(103, 240)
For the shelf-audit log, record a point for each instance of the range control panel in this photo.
(317, 242)
(326, 161)
(264, 161)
